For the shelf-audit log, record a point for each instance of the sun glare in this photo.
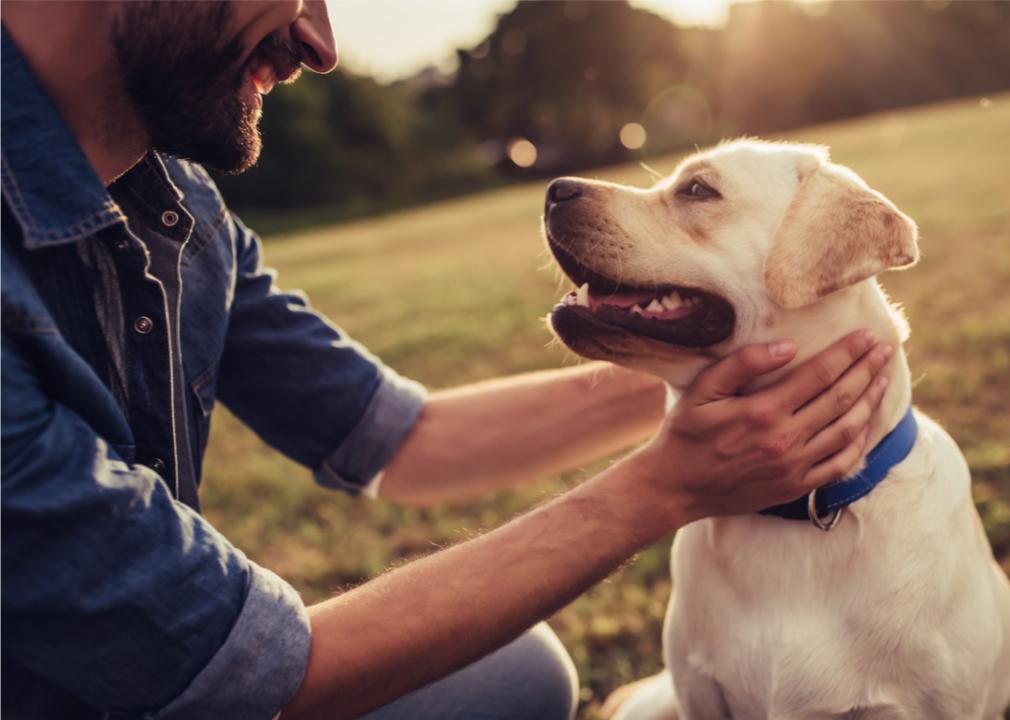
(710, 13)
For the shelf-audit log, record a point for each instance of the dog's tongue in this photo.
(622, 300)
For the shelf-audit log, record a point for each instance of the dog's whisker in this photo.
(656, 175)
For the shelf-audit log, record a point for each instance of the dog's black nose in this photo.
(562, 190)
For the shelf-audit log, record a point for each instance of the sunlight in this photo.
(706, 13)
(710, 13)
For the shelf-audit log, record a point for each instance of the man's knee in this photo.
(531, 678)
(547, 685)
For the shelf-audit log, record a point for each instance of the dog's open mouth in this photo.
(678, 315)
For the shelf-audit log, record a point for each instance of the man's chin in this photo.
(225, 153)
(247, 142)
(243, 159)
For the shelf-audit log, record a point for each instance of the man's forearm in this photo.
(493, 435)
(426, 619)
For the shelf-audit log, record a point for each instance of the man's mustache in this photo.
(286, 60)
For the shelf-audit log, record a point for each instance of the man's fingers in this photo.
(847, 429)
(815, 375)
(726, 377)
(841, 397)
(835, 467)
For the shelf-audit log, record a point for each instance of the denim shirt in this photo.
(127, 311)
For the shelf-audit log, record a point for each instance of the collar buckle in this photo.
(828, 521)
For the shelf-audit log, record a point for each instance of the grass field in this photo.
(454, 292)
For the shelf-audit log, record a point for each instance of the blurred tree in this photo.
(567, 76)
(788, 64)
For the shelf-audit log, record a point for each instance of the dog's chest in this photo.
(775, 628)
(781, 615)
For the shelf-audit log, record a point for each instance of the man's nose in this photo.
(313, 36)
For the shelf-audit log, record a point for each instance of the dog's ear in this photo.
(835, 233)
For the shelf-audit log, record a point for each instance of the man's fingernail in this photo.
(781, 348)
(869, 338)
(886, 351)
(881, 383)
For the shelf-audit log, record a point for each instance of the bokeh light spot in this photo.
(633, 136)
(522, 152)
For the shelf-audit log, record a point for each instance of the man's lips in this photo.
(263, 77)
(272, 63)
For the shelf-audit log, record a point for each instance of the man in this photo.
(132, 300)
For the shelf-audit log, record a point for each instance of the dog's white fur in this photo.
(900, 611)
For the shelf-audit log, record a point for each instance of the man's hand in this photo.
(737, 454)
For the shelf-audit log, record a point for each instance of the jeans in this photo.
(531, 678)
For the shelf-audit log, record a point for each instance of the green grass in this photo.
(454, 292)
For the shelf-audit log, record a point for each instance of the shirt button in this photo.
(143, 324)
(158, 465)
(169, 218)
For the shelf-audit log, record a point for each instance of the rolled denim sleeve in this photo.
(305, 387)
(260, 665)
(118, 594)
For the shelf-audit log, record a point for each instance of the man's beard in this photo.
(185, 81)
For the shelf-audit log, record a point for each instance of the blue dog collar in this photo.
(824, 505)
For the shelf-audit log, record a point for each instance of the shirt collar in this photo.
(48, 183)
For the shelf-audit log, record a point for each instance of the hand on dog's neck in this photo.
(863, 305)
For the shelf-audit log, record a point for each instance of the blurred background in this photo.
(403, 193)
(440, 97)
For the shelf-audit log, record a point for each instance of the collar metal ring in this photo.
(826, 523)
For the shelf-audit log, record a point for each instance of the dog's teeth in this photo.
(569, 299)
(582, 295)
(655, 306)
(672, 301)
(637, 310)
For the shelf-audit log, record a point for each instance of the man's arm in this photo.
(118, 594)
(718, 453)
(303, 385)
(493, 435)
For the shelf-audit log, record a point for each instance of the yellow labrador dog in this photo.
(898, 610)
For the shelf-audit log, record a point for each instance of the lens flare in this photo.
(522, 152)
(633, 136)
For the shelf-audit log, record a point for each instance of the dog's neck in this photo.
(862, 306)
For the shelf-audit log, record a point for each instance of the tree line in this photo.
(562, 86)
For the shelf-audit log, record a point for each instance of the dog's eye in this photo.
(697, 190)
